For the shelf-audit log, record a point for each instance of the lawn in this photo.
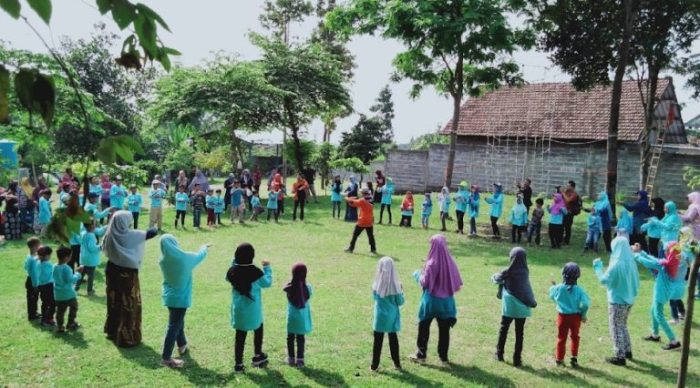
(339, 349)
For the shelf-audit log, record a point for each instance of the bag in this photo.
(577, 206)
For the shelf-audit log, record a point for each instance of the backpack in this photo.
(577, 206)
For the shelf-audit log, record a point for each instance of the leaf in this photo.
(104, 6)
(42, 8)
(44, 97)
(164, 60)
(171, 51)
(146, 31)
(24, 80)
(4, 92)
(152, 15)
(123, 13)
(115, 148)
(12, 7)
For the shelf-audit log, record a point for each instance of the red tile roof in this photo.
(539, 109)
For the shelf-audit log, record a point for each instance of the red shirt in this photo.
(366, 217)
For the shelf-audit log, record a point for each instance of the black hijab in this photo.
(296, 289)
(243, 273)
(659, 207)
(516, 279)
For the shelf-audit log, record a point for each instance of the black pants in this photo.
(381, 212)
(443, 217)
(654, 246)
(568, 221)
(517, 233)
(393, 349)
(32, 299)
(240, 343)
(88, 272)
(494, 226)
(61, 307)
(136, 219)
(48, 306)
(534, 230)
(443, 337)
(300, 341)
(300, 202)
(180, 215)
(274, 212)
(406, 221)
(472, 225)
(336, 206)
(370, 235)
(460, 221)
(607, 239)
(503, 336)
(556, 232)
(677, 307)
(74, 257)
(280, 206)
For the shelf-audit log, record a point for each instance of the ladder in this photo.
(656, 151)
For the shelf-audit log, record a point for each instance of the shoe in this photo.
(239, 368)
(34, 318)
(300, 362)
(374, 252)
(172, 363)
(616, 361)
(672, 345)
(373, 368)
(291, 361)
(348, 250)
(417, 357)
(445, 361)
(260, 360)
(397, 366)
(73, 326)
(48, 324)
(574, 362)
(517, 362)
(559, 362)
(498, 357)
(628, 355)
(652, 338)
(673, 321)
(60, 329)
(182, 349)
(681, 317)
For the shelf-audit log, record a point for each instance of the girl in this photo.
(177, 266)
(31, 284)
(281, 189)
(48, 305)
(602, 207)
(387, 192)
(336, 196)
(625, 223)
(518, 219)
(440, 280)
(181, 201)
(653, 230)
(134, 202)
(461, 203)
(407, 210)
(75, 218)
(247, 282)
(427, 210)
(686, 257)
(388, 298)
(473, 209)
(106, 186)
(572, 306)
(256, 205)
(45, 213)
(496, 202)
(272, 198)
(517, 298)
(444, 206)
(380, 181)
(556, 211)
(298, 314)
(670, 226)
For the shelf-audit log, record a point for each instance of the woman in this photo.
(106, 188)
(124, 249)
(351, 192)
(691, 217)
(440, 280)
(12, 222)
(379, 181)
(640, 212)
(26, 205)
(556, 211)
(603, 209)
(201, 180)
(670, 227)
(622, 282)
(181, 180)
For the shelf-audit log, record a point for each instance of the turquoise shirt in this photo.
(218, 203)
(76, 237)
(445, 205)
(63, 282)
(427, 208)
(92, 209)
(652, 228)
(45, 272)
(474, 205)
(62, 200)
(117, 194)
(461, 201)
(97, 189)
(237, 196)
(570, 301)
(556, 219)
(255, 202)
(518, 215)
(89, 250)
(679, 283)
(177, 277)
(246, 313)
(512, 307)
(181, 201)
(156, 197)
(670, 225)
(299, 319)
(134, 202)
(387, 313)
(208, 202)
(594, 223)
(496, 202)
(272, 200)
(663, 284)
(336, 195)
(434, 307)
(31, 266)
(387, 192)
(407, 212)
(44, 211)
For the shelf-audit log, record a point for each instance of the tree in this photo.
(279, 14)
(364, 139)
(322, 159)
(460, 47)
(423, 142)
(383, 110)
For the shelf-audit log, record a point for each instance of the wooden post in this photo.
(685, 346)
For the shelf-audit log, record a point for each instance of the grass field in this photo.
(339, 349)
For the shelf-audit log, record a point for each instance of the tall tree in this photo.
(460, 47)
(363, 140)
(383, 109)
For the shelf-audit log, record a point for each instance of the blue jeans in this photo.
(176, 331)
(196, 217)
(592, 239)
(534, 230)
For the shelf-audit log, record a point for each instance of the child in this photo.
(181, 201)
(197, 198)
(427, 210)
(518, 219)
(595, 228)
(473, 209)
(407, 210)
(557, 211)
(461, 202)
(444, 201)
(31, 266)
(237, 205)
(388, 298)
(272, 198)
(63, 291)
(625, 223)
(48, 305)
(45, 213)
(517, 298)
(91, 208)
(686, 257)
(670, 226)
(209, 205)
(63, 195)
(387, 192)
(572, 306)
(496, 202)
(219, 206)
(134, 201)
(248, 281)
(256, 205)
(536, 222)
(365, 221)
(155, 215)
(298, 314)
(652, 229)
(336, 196)
(89, 257)
(117, 193)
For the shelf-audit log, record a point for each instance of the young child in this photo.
(89, 257)
(63, 292)
(572, 306)
(444, 200)
(595, 228)
(387, 192)
(237, 204)
(298, 314)
(461, 203)
(197, 199)
(63, 195)
(156, 194)
(535, 227)
(473, 209)
(517, 298)
(219, 206)
(48, 305)
(117, 194)
(248, 281)
(31, 266)
(388, 298)
(256, 205)
(556, 211)
(518, 219)
(209, 205)
(336, 196)
(427, 210)
(496, 202)
(181, 201)
(45, 213)
(272, 198)
(92, 209)
(407, 210)
(134, 201)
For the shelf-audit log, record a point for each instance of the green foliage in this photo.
(423, 142)
(180, 158)
(42, 8)
(325, 154)
(216, 159)
(691, 176)
(307, 148)
(4, 95)
(364, 139)
(118, 148)
(36, 93)
(352, 164)
(278, 14)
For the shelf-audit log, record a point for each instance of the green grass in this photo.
(339, 349)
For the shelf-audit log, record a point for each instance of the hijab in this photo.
(516, 278)
(603, 204)
(407, 201)
(175, 263)
(519, 208)
(26, 187)
(570, 274)
(694, 199)
(296, 289)
(386, 281)
(441, 276)
(672, 260)
(201, 179)
(558, 204)
(625, 222)
(243, 273)
(428, 201)
(658, 207)
(623, 276)
(445, 192)
(123, 245)
(475, 192)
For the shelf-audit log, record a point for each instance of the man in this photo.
(299, 189)
(364, 222)
(228, 184)
(157, 195)
(573, 208)
(526, 191)
(310, 175)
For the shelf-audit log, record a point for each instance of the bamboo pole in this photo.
(685, 346)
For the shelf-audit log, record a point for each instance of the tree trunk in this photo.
(685, 343)
(611, 184)
(86, 184)
(456, 110)
(298, 157)
(648, 125)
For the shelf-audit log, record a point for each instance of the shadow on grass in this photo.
(561, 374)
(472, 374)
(271, 377)
(73, 338)
(410, 379)
(323, 377)
(660, 373)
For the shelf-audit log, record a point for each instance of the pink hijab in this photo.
(692, 215)
(441, 276)
(557, 205)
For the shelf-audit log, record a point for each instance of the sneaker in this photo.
(291, 361)
(48, 323)
(517, 362)
(373, 368)
(559, 362)
(260, 360)
(172, 363)
(182, 349)
(348, 250)
(681, 317)
(628, 355)
(445, 361)
(417, 357)
(239, 368)
(672, 345)
(498, 357)
(300, 362)
(73, 326)
(574, 362)
(60, 329)
(673, 321)
(374, 252)
(652, 338)
(616, 361)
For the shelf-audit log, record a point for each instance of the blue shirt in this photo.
(474, 205)
(97, 189)
(445, 205)
(45, 272)
(518, 215)
(237, 196)
(246, 313)
(299, 319)
(496, 202)
(177, 277)
(91, 208)
(255, 202)
(556, 219)
(156, 197)
(89, 250)
(652, 228)
(116, 196)
(181, 201)
(272, 200)
(427, 208)
(63, 282)
(218, 203)
(663, 283)
(44, 211)
(570, 301)
(387, 192)
(336, 189)
(461, 201)
(512, 307)
(594, 223)
(31, 266)
(387, 315)
(134, 201)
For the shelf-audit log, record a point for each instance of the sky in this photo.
(200, 29)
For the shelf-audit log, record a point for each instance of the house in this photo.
(551, 133)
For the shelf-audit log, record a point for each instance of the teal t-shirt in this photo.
(63, 282)
(299, 319)
(570, 300)
(512, 307)
(387, 313)
(246, 313)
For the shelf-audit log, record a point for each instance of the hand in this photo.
(80, 269)
(266, 263)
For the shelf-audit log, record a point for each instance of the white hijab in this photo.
(386, 282)
(122, 245)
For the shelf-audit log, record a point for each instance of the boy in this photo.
(219, 206)
(198, 199)
(572, 306)
(31, 266)
(63, 291)
(89, 257)
(48, 306)
(155, 215)
(91, 207)
(63, 195)
(256, 205)
(272, 197)
(134, 201)
(536, 222)
(518, 218)
(209, 204)
(181, 201)
(237, 205)
(117, 193)
(595, 228)
(44, 211)
(365, 221)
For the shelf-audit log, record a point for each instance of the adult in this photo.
(310, 176)
(653, 232)
(640, 212)
(299, 189)
(247, 186)
(603, 209)
(106, 188)
(670, 226)
(40, 186)
(70, 179)
(11, 222)
(177, 266)
(26, 205)
(201, 180)
(526, 191)
(573, 208)
(691, 217)
(622, 281)
(124, 248)
(364, 222)
(181, 180)
(379, 182)
(257, 178)
(351, 192)
(228, 185)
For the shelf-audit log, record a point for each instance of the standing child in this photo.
(517, 298)
(45, 213)
(272, 198)
(686, 257)
(155, 215)
(209, 205)
(387, 192)
(595, 228)
(134, 201)
(298, 314)
(365, 222)
(388, 298)
(31, 266)
(535, 227)
(473, 209)
(48, 305)
(63, 195)
(256, 205)
(219, 206)
(89, 257)
(557, 211)
(407, 210)
(92, 209)
(117, 194)
(181, 201)
(652, 229)
(247, 281)
(427, 210)
(518, 219)
(336, 196)
(237, 204)
(64, 294)
(444, 200)
(670, 226)
(572, 306)
(461, 204)
(625, 224)
(197, 198)
(496, 202)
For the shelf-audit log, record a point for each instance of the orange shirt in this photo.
(366, 217)
(299, 186)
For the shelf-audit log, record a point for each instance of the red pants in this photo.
(211, 219)
(568, 323)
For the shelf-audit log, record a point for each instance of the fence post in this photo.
(685, 345)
